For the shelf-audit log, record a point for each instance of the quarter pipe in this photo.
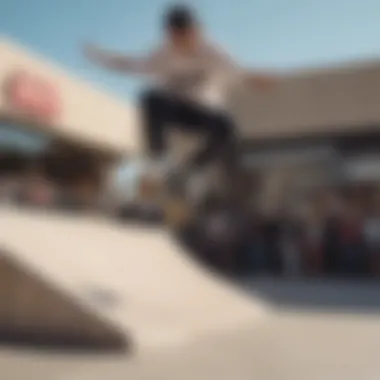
(83, 278)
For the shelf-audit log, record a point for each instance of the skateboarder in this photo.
(190, 77)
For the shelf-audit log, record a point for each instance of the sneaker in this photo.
(159, 168)
(175, 183)
(197, 187)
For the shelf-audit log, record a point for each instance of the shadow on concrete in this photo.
(319, 295)
(35, 313)
(55, 343)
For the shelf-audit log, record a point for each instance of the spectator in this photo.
(222, 233)
(290, 246)
(332, 208)
(372, 239)
(313, 258)
(38, 191)
(219, 236)
(353, 252)
(272, 230)
(9, 189)
(256, 258)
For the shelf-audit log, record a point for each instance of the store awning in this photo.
(12, 139)
(364, 168)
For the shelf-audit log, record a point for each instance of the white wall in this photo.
(88, 114)
(329, 100)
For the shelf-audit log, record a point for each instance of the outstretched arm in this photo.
(117, 62)
(260, 80)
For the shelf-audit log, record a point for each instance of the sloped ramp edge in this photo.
(33, 312)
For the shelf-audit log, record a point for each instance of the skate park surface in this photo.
(136, 286)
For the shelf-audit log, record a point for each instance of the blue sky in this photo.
(279, 34)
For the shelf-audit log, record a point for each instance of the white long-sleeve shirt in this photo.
(204, 76)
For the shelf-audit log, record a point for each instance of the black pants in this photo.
(162, 111)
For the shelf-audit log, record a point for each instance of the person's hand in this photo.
(92, 52)
(263, 82)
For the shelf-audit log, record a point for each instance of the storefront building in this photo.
(51, 117)
(317, 127)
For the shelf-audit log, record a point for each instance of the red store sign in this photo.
(33, 96)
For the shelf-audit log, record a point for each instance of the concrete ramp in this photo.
(33, 311)
(111, 280)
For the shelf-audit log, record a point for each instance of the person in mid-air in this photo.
(190, 78)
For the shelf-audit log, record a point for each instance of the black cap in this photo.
(180, 17)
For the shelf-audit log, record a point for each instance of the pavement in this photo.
(286, 345)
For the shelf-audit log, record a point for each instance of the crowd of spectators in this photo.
(330, 234)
